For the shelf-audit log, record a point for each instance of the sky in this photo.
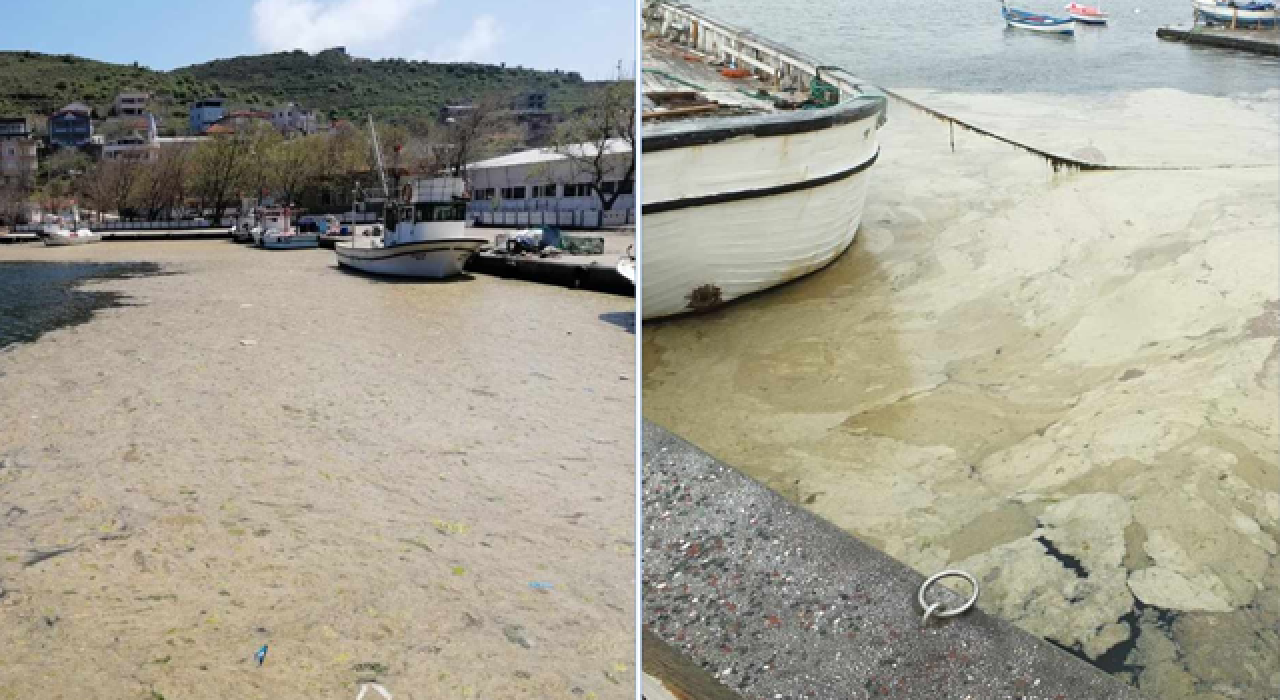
(587, 36)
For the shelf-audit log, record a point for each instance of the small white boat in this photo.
(1086, 14)
(1046, 24)
(278, 233)
(66, 230)
(627, 266)
(62, 236)
(425, 234)
(1246, 15)
(245, 223)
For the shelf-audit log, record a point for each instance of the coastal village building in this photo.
(205, 113)
(131, 104)
(145, 146)
(505, 189)
(71, 126)
(237, 121)
(292, 119)
(19, 156)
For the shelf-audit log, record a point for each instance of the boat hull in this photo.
(1219, 14)
(60, 239)
(754, 213)
(435, 259)
(332, 240)
(290, 242)
(1088, 19)
(1043, 24)
(1066, 28)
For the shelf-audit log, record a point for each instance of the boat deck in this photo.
(683, 83)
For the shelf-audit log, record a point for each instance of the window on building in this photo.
(513, 192)
(626, 187)
(583, 190)
(544, 191)
(607, 186)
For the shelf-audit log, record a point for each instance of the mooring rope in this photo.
(1059, 162)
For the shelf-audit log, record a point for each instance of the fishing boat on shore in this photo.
(1237, 15)
(1086, 14)
(66, 230)
(278, 232)
(425, 234)
(63, 236)
(1045, 24)
(756, 161)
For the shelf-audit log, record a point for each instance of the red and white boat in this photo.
(1087, 14)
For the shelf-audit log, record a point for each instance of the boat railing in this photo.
(769, 60)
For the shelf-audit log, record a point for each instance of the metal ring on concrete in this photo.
(932, 609)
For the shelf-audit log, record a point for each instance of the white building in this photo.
(146, 147)
(132, 104)
(292, 119)
(206, 112)
(543, 186)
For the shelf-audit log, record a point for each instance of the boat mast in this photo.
(377, 152)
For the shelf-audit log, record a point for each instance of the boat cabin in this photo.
(272, 218)
(430, 200)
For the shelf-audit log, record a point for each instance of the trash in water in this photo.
(261, 655)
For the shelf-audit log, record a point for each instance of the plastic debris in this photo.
(248, 343)
(261, 655)
(540, 585)
(381, 691)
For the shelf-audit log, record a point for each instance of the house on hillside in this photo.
(552, 186)
(145, 145)
(452, 112)
(19, 154)
(131, 104)
(205, 113)
(292, 119)
(233, 122)
(71, 126)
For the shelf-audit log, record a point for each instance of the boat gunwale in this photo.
(707, 130)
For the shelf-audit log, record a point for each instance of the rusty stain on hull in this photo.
(704, 297)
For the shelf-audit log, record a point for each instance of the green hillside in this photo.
(332, 82)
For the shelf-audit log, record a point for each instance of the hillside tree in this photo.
(607, 125)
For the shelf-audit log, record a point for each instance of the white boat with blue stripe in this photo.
(1237, 15)
(1045, 24)
(425, 235)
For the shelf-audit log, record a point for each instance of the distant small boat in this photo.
(1248, 15)
(279, 234)
(1086, 14)
(1021, 19)
(63, 236)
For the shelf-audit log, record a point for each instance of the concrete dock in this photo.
(778, 603)
(594, 272)
(1262, 41)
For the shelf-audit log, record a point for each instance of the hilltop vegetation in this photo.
(337, 83)
(332, 82)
